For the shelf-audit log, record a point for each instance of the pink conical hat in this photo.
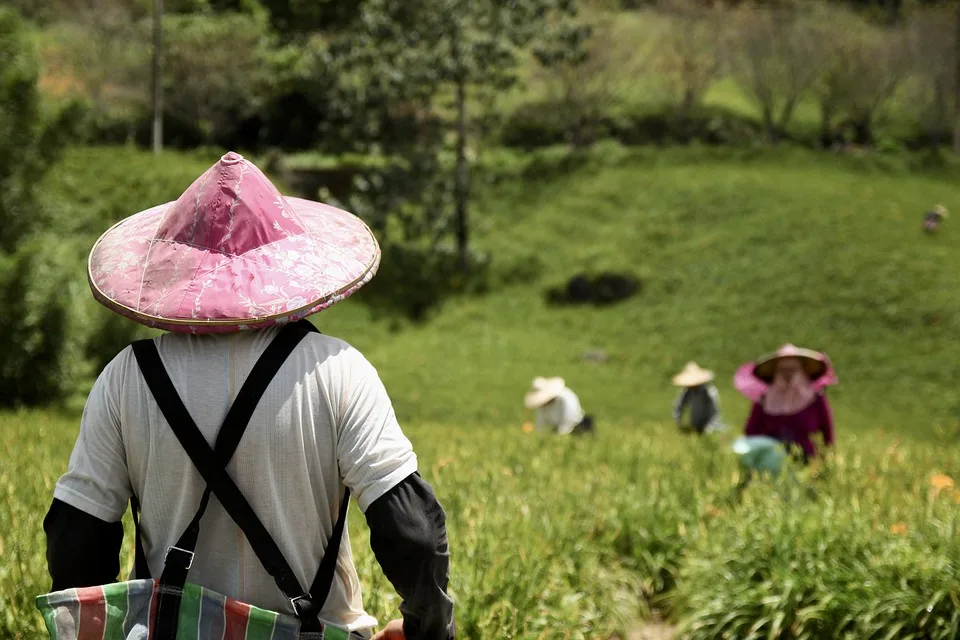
(818, 365)
(231, 253)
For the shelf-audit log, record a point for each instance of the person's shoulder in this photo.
(119, 363)
(335, 351)
(322, 341)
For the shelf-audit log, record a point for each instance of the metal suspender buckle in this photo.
(189, 556)
(302, 604)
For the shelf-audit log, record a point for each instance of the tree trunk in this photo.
(688, 102)
(863, 129)
(462, 184)
(769, 123)
(826, 124)
(956, 83)
(157, 76)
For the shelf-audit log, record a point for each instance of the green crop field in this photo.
(738, 251)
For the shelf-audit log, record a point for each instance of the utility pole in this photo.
(462, 176)
(157, 76)
(956, 81)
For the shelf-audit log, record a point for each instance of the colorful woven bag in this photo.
(169, 608)
(128, 610)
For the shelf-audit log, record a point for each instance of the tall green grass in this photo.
(580, 537)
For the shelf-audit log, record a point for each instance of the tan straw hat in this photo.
(814, 362)
(543, 391)
(693, 375)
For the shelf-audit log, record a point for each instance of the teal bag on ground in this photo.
(760, 453)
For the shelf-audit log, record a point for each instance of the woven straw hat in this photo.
(693, 376)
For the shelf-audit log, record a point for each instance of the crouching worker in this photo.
(246, 402)
(558, 407)
(699, 397)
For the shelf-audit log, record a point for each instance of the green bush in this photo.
(706, 125)
(29, 141)
(535, 124)
(42, 346)
(541, 124)
(55, 338)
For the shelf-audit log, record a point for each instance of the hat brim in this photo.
(178, 287)
(539, 397)
(814, 364)
(693, 379)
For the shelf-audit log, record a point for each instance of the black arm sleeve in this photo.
(408, 536)
(82, 551)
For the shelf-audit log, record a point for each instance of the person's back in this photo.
(700, 401)
(315, 422)
(699, 396)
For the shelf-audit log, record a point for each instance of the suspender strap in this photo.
(323, 581)
(180, 556)
(211, 463)
(228, 438)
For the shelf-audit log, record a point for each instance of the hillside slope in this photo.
(738, 252)
(737, 257)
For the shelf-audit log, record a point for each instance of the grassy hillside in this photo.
(739, 251)
(737, 255)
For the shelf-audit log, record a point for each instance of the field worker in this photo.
(558, 407)
(230, 270)
(698, 395)
(793, 407)
(933, 218)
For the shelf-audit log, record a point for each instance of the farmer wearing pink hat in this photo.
(791, 406)
(245, 402)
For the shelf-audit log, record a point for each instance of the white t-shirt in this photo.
(325, 421)
(562, 413)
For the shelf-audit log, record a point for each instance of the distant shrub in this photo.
(600, 289)
(40, 354)
(535, 124)
(705, 125)
(583, 90)
(931, 94)
(539, 125)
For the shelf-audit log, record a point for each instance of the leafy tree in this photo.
(864, 65)
(427, 62)
(36, 362)
(28, 142)
(214, 71)
(776, 58)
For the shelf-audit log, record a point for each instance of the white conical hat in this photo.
(693, 375)
(542, 391)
